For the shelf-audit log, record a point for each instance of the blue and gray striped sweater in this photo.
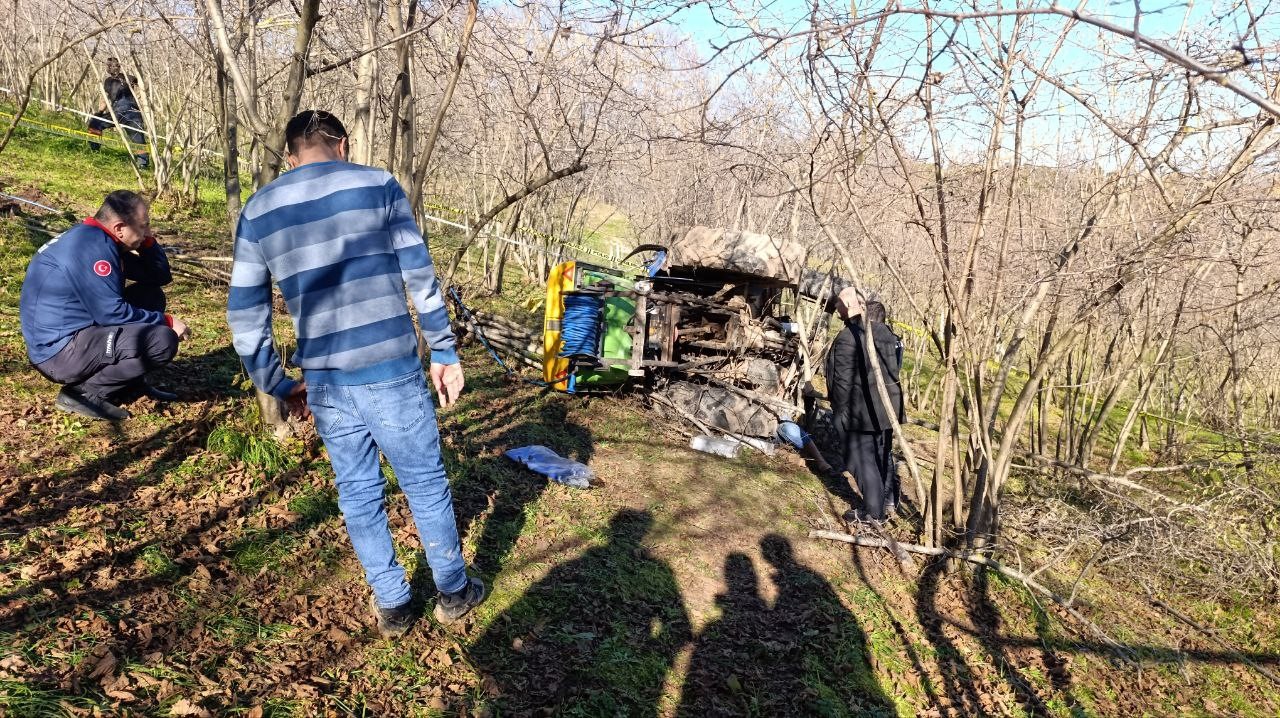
(340, 241)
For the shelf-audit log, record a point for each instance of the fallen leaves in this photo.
(184, 707)
(105, 666)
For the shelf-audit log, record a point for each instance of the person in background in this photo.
(860, 417)
(83, 327)
(889, 350)
(118, 88)
(340, 241)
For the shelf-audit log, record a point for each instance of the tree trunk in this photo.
(424, 162)
(366, 77)
(273, 157)
(500, 252)
(230, 140)
(400, 138)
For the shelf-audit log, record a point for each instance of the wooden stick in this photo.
(1126, 653)
(1117, 480)
(1232, 650)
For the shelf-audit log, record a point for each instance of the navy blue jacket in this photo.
(76, 280)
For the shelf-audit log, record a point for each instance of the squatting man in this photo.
(93, 310)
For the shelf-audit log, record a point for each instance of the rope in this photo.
(81, 134)
(59, 131)
(471, 319)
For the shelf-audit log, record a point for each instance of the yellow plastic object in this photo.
(555, 368)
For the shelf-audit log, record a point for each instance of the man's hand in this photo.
(181, 329)
(297, 401)
(448, 381)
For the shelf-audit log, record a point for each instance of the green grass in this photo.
(21, 698)
(240, 630)
(68, 169)
(157, 563)
(315, 504)
(605, 225)
(273, 548)
(256, 450)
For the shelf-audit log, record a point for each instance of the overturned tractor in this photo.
(722, 327)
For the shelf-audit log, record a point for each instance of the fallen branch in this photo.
(1231, 649)
(487, 319)
(1121, 650)
(1120, 480)
(213, 275)
(901, 554)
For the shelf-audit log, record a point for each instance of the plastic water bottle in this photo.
(720, 446)
(765, 447)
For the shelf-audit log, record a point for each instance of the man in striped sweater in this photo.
(340, 241)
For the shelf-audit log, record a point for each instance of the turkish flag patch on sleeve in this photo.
(102, 268)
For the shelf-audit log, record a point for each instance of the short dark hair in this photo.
(303, 128)
(876, 312)
(121, 204)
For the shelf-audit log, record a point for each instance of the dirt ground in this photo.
(175, 566)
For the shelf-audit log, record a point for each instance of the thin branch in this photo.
(311, 71)
(1125, 652)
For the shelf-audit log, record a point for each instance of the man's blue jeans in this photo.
(398, 417)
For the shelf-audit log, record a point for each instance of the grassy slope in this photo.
(184, 563)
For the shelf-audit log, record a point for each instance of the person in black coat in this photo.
(860, 416)
(118, 88)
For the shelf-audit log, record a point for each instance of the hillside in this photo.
(183, 563)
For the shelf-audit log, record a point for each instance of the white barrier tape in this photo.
(33, 204)
(573, 248)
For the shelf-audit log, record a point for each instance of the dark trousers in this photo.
(869, 457)
(127, 114)
(100, 361)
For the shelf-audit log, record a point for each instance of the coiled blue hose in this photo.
(580, 327)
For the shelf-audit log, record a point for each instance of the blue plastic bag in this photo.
(552, 465)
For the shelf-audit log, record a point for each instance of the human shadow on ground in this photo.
(986, 616)
(805, 655)
(597, 634)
